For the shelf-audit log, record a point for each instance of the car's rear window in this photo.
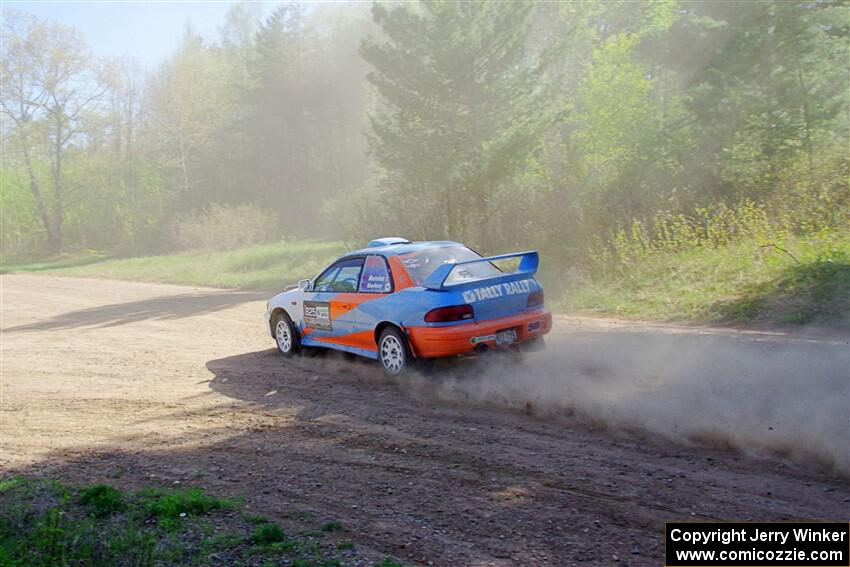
(422, 263)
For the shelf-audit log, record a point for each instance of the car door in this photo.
(329, 305)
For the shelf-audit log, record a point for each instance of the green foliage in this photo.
(303, 114)
(222, 541)
(460, 112)
(798, 212)
(804, 280)
(268, 533)
(604, 133)
(50, 84)
(332, 527)
(103, 499)
(48, 524)
(234, 120)
(617, 109)
(814, 291)
(771, 89)
(265, 266)
(190, 105)
(10, 483)
(173, 504)
(223, 227)
(91, 257)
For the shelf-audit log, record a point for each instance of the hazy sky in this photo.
(147, 31)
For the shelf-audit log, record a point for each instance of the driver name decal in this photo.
(317, 314)
(496, 291)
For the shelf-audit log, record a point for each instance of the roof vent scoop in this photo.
(388, 241)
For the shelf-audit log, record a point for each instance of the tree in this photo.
(461, 109)
(49, 82)
(277, 122)
(190, 101)
(304, 112)
(771, 83)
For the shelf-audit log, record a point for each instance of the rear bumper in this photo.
(431, 342)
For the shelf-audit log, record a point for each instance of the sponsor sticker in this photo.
(317, 314)
(374, 283)
(375, 277)
(497, 290)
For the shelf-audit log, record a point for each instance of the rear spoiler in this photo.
(527, 267)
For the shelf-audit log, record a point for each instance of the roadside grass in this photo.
(260, 267)
(47, 523)
(803, 280)
(56, 263)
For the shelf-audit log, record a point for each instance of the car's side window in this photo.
(341, 277)
(376, 276)
(326, 278)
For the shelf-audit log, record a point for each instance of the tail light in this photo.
(535, 298)
(447, 314)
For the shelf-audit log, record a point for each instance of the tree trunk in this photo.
(58, 205)
(53, 243)
(184, 170)
(807, 123)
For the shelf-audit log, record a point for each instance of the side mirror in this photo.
(304, 285)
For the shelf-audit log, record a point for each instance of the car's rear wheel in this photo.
(285, 336)
(393, 353)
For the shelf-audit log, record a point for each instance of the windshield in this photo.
(422, 263)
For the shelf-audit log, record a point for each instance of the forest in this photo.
(599, 132)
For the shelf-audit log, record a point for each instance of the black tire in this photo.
(393, 353)
(285, 335)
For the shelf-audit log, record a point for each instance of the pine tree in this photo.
(459, 111)
(276, 119)
(772, 82)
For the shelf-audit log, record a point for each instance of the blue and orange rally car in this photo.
(399, 301)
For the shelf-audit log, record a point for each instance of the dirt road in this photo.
(577, 456)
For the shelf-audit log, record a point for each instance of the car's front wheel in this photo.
(393, 352)
(284, 335)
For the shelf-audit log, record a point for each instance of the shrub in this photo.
(103, 499)
(764, 223)
(193, 501)
(268, 533)
(224, 227)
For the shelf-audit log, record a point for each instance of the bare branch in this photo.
(771, 244)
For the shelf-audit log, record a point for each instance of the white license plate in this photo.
(506, 337)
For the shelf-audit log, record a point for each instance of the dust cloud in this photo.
(790, 398)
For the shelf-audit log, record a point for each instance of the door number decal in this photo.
(317, 314)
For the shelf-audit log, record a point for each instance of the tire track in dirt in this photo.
(186, 388)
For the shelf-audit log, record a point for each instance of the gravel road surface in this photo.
(574, 456)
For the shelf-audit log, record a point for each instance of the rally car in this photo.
(399, 301)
